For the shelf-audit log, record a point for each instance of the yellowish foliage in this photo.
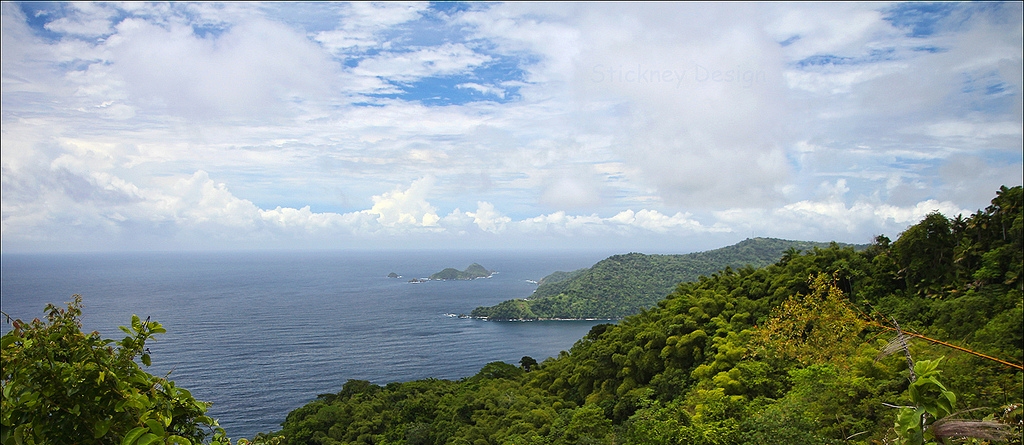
(816, 328)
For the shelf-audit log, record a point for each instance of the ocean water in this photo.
(262, 333)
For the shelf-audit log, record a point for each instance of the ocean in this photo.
(262, 333)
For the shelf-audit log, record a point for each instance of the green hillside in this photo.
(802, 351)
(622, 285)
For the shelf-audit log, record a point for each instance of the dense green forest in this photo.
(623, 285)
(803, 351)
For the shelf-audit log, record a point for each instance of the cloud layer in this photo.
(645, 127)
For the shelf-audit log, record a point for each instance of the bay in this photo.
(262, 333)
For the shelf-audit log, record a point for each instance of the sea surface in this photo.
(262, 333)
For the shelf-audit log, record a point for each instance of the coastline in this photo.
(464, 316)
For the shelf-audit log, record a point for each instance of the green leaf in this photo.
(133, 435)
(926, 368)
(8, 340)
(146, 360)
(945, 401)
(147, 439)
(155, 426)
(178, 440)
(136, 323)
(101, 427)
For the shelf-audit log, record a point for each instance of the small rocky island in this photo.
(472, 272)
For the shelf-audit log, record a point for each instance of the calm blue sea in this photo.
(262, 333)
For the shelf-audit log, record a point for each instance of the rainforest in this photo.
(791, 353)
(622, 285)
(916, 340)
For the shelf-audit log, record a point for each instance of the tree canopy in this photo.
(794, 352)
(623, 285)
(63, 386)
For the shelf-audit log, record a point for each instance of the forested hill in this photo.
(754, 356)
(622, 285)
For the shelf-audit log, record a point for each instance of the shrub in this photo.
(63, 386)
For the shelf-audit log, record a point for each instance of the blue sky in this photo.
(635, 127)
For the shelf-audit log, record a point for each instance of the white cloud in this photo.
(199, 200)
(363, 21)
(27, 62)
(109, 128)
(562, 223)
(572, 188)
(488, 219)
(406, 207)
(444, 60)
(841, 29)
(256, 69)
(524, 27)
(831, 218)
(482, 89)
(676, 100)
(657, 222)
(971, 130)
(86, 20)
(327, 224)
(971, 181)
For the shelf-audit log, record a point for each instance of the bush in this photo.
(62, 386)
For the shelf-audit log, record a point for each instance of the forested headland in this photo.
(829, 346)
(623, 285)
(912, 341)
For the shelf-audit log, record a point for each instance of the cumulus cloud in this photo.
(198, 207)
(198, 200)
(406, 207)
(488, 219)
(658, 222)
(269, 124)
(831, 218)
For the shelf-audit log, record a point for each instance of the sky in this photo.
(651, 127)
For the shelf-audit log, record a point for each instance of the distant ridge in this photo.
(622, 285)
